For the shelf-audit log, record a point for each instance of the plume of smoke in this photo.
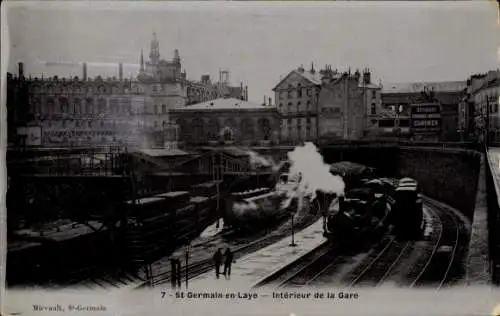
(257, 160)
(314, 174)
(240, 209)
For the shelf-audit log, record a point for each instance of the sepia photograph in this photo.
(250, 158)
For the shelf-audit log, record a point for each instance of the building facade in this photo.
(448, 93)
(326, 104)
(227, 120)
(347, 105)
(480, 109)
(297, 96)
(73, 112)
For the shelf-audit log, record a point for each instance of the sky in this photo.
(257, 42)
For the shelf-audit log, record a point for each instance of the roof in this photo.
(369, 85)
(172, 194)
(224, 104)
(163, 152)
(417, 87)
(314, 78)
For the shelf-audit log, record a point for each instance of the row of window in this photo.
(79, 108)
(77, 90)
(299, 91)
(91, 123)
(163, 109)
(299, 131)
(290, 104)
(77, 133)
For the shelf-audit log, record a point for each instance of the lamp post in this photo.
(187, 265)
(299, 207)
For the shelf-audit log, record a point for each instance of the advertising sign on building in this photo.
(426, 118)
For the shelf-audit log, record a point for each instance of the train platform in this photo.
(253, 268)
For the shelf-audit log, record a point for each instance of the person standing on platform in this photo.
(228, 261)
(179, 275)
(217, 261)
(173, 273)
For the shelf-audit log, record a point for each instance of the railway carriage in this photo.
(408, 210)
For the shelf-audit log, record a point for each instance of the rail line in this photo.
(206, 265)
(386, 256)
(439, 265)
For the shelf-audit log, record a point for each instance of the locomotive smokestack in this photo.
(341, 203)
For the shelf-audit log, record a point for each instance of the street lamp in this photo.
(187, 265)
(300, 201)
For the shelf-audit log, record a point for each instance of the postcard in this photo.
(250, 158)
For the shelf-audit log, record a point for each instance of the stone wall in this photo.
(449, 176)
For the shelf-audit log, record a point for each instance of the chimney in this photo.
(120, 71)
(246, 93)
(84, 71)
(269, 101)
(341, 204)
(367, 76)
(21, 70)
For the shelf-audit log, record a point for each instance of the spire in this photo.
(142, 60)
(312, 67)
(154, 55)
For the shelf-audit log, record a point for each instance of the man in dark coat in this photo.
(228, 260)
(217, 261)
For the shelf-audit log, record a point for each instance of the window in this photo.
(290, 89)
(64, 123)
(373, 109)
(101, 104)
(90, 123)
(63, 102)
(289, 106)
(102, 123)
(309, 92)
(299, 91)
(50, 105)
(308, 106)
(298, 106)
(89, 106)
(163, 109)
(281, 106)
(156, 109)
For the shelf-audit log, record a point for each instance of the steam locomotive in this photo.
(363, 210)
(373, 206)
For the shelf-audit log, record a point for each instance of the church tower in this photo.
(154, 55)
(142, 61)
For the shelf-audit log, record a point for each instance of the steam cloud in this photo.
(307, 164)
(257, 160)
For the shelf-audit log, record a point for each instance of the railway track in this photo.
(439, 266)
(442, 265)
(202, 266)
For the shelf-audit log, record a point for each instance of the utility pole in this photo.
(487, 123)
